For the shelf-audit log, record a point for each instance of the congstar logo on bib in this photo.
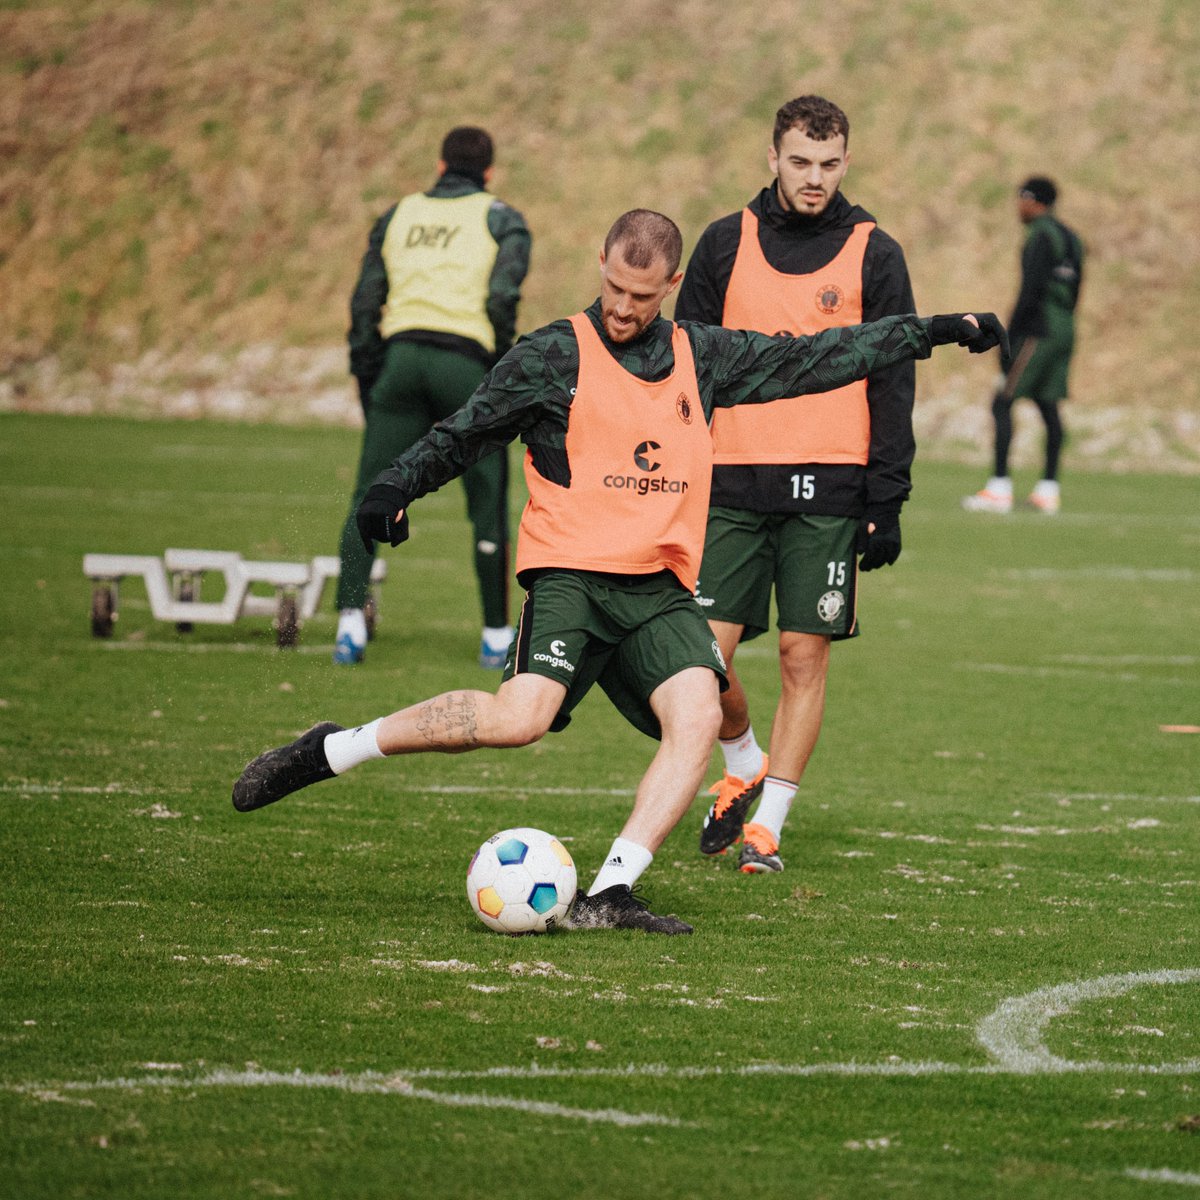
(645, 461)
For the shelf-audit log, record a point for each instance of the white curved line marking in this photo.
(1012, 1034)
(369, 1082)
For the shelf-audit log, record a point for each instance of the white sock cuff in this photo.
(775, 804)
(354, 622)
(353, 746)
(625, 863)
(743, 755)
(497, 637)
(780, 787)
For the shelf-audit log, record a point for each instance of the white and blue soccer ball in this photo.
(521, 881)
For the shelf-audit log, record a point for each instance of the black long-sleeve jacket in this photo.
(528, 394)
(799, 245)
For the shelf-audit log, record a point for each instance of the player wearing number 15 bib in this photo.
(803, 486)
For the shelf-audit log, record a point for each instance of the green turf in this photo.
(994, 809)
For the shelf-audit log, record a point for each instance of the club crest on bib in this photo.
(683, 406)
(830, 298)
(830, 606)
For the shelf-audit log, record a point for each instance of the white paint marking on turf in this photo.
(367, 1083)
(1129, 660)
(62, 789)
(1115, 574)
(263, 647)
(454, 789)
(1109, 796)
(1166, 1175)
(1070, 673)
(1012, 1034)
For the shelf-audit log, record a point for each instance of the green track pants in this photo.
(420, 385)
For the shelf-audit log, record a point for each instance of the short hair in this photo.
(1039, 189)
(821, 119)
(467, 148)
(645, 236)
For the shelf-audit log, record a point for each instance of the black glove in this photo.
(376, 516)
(988, 334)
(880, 547)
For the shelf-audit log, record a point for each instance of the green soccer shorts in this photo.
(1041, 373)
(628, 633)
(808, 559)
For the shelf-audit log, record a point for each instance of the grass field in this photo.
(978, 976)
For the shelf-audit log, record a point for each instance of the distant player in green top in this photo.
(1042, 330)
(434, 308)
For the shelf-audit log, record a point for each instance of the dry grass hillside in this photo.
(186, 187)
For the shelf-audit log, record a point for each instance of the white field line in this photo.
(212, 648)
(62, 789)
(1072, 673)
(1108, 797)
(1166, 1175)
(1129, 660)
(452, 789)
(1116, 574)
(1012, 1034)
(143, 498)
(368, 1082)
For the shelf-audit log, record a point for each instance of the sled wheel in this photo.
(185, 591)
(287, 622)
(104, 610)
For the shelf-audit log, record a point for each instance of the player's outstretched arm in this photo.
(744, 367)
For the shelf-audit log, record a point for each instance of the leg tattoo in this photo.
(449, 722)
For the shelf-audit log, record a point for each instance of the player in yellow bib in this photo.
(434, 307)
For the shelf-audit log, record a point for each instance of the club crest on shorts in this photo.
(717, 653)
(830, 606)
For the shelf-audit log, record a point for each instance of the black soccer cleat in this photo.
(277, 773)
(619, 907)
(723, 822)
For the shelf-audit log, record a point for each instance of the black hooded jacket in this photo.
(799, 245)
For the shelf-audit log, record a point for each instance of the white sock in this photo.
(773, 808)
(352, 746)
(625, 862)
(354, 622)
(497, 638)
(743, 755)
(1001, 485)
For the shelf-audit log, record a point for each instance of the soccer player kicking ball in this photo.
(613, 405)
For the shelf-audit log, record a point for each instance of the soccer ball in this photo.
(521, 881)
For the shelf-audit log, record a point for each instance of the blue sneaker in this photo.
(493, 654)
(491, 659)
(347, 652)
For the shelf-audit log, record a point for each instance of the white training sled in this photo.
(173, 585)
